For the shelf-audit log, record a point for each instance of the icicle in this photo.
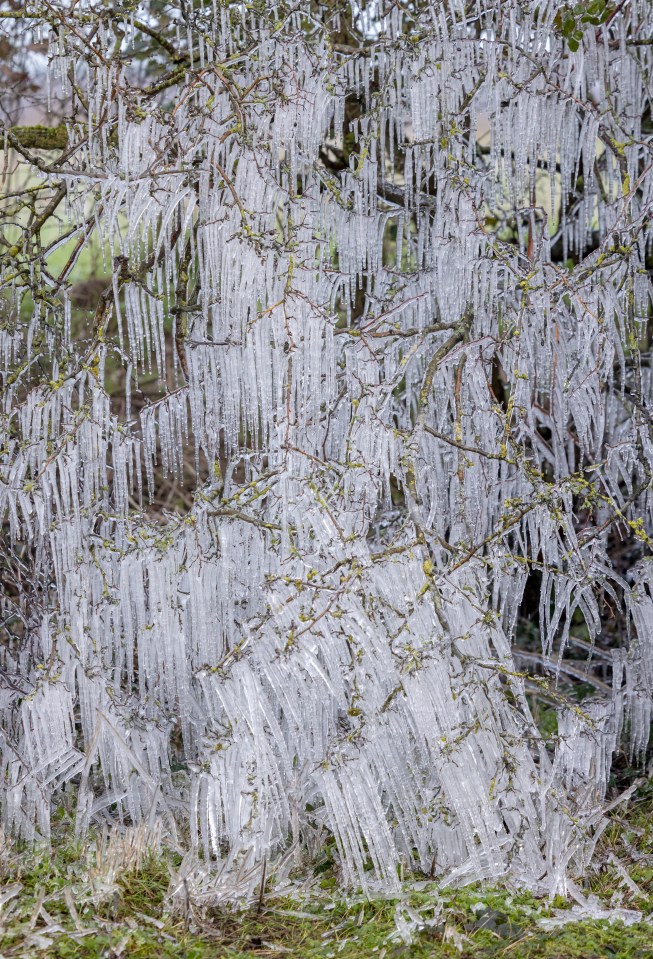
(405, 406)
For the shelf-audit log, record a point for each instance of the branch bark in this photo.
(41, 137)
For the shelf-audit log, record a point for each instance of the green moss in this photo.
(131, 916)
(41, 137)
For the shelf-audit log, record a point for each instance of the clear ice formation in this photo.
(323, 646)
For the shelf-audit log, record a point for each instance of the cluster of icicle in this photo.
(321, 650)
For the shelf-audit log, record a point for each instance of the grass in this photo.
(78, 902)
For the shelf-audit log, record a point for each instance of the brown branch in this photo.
(36, 225)
(464, 446)
(165, 44)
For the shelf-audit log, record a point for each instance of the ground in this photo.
(83, 902)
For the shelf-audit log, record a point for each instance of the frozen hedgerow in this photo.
(389, 266)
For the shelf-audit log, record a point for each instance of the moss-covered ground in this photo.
(59, 904)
